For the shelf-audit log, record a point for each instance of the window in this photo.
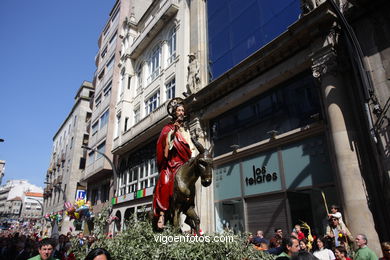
(132, 180)
(154, 63)
(95, 127)
(147, 174)
(115, 15)
(102, 149)
(104, 119)
(107, 90)
(137, 115)
(152, 103)
(126, 123)
(71, 143)
(170, 89)
(122, 183)
(229, 44)
(121, 85)
(171, 45)
(104, 52)
(113, 40)
(139, 79)
(105, 193)
(117, 125)
(95, 196)
(110, 64)
(98, 100)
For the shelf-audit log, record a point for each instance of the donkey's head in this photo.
(204, 163)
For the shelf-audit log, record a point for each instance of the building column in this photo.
(357, 214)
(204, 198)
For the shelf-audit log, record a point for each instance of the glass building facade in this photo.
(237, 28)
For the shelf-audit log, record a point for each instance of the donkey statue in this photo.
(184, 187)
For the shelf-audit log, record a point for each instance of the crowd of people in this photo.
(16, 246)
(337, 243)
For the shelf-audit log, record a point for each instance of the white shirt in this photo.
(324, 254)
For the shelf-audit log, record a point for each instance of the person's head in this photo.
(179, 112)
(361, 240)
(340, 252)
(98, 254)
(303, 244)
(260, 233)
(334, 222)
(61, 238)
(290, 245)
(386, 250)
(334, 209)
(45, 248)
(263, 245)
(278, 232)
(321, 242)
(81, 235)
(304, 255)
(297, 228)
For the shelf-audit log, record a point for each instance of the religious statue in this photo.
(179, 169)
(193, 78)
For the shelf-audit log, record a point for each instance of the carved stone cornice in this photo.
(324, 62)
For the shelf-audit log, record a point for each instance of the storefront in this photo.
(272, 161)
(137, 176)
(276, 188)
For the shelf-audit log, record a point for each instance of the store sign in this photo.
(260, 175)
(81, 194)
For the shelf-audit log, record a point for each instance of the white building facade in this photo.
(154, 68)
(11, 190)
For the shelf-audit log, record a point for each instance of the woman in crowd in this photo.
(341, 253)
(98, 254)
(323, 253)
(303, 245)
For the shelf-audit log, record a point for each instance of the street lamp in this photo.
(109, 160)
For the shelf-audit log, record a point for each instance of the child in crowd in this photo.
(335, 212)
(297, 229)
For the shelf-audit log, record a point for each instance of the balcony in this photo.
(98, 136)
(101, 108)
(94, 167)
(151, 27)
(147, 122)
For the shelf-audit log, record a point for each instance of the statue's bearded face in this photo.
(179, 112)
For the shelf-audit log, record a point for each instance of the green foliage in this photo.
(139, 241)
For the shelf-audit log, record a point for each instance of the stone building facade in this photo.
(163, 56)
(98, 174)
(291, 117)
(67, 161)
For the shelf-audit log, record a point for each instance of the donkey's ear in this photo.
(198, 145)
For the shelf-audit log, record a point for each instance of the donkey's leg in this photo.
(193, 220)
(176, 218)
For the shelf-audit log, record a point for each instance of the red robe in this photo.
(167, 167)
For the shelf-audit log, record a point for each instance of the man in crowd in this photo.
(45, 249)
(363, 252)
(290, 246)
(278, 235)
(259, 238)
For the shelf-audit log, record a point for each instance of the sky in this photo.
(47, 50)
